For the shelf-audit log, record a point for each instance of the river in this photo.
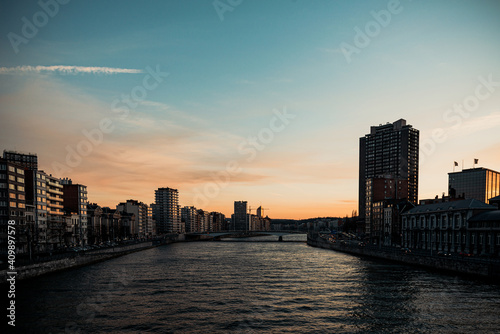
(253, 287)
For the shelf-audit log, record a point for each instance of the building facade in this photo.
(484, 233)
(29, 160)
(150, 230)
(189, 218)
(218, 221)
(479, 183)
(140, 210)
(240, 218)
(13, 205)
(442, 226)
(94, 224)
(55, 213)
(388, 152)
(75, 202)
(38, 198)
(166, 211)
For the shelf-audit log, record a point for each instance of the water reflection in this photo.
(253, 286)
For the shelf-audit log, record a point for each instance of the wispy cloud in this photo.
(64, 69)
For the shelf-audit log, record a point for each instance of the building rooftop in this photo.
(486, 216)
(472, 170)
(457, 205)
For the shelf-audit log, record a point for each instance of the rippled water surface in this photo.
(254, 287)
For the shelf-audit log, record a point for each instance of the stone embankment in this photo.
(477, 267)
(82, 259)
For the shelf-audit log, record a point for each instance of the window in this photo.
(20, 171)
(13, 205)
(21, 205)
(20, 188)
(12, 169)
(20, 180)
(12, 195)
(12, 178)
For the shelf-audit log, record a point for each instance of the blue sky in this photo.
(226, 80)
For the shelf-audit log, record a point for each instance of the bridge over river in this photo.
(245, 236)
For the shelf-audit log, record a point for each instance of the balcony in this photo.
(55, 191)
(54, 184)
(53, 198)
(54, 213)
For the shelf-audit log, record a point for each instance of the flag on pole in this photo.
(456, 163)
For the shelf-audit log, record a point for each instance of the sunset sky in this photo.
(268, 97)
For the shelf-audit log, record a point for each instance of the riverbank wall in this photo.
(474, 267)
(81, 259)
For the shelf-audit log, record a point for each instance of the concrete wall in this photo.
(475, 267)
(86, 258)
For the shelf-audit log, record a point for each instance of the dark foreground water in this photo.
(254, 287)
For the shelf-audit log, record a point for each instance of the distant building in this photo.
(390, 149)
(387, 221)
(111, 225)
(72, 229)
(94, 224)
(166, 211)
(382, 193)
(189, 219)
(140, 226)
(36, 195)
(438, 199)
(55, 213)
(240, 222)
(443, 226)
(484, 230)
(150, 230)
(218, 222)
(27, 160)
(128, 222)
(479, 183)
(75, 201)
(203, 220)
(35, 189)
(13, 204)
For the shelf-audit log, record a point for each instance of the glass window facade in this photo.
(478, 183)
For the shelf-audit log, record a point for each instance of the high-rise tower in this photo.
(389, 151)
(166, 211)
